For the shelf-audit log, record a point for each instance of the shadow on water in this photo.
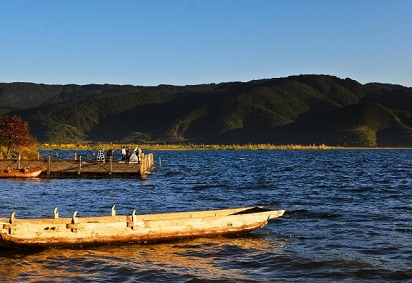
(11, 252)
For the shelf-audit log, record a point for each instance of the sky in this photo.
(187, 42)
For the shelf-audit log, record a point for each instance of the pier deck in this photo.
(85, 168)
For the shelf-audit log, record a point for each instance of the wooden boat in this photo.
(81, 231)
(22, 173)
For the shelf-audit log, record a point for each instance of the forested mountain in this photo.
(305, 109)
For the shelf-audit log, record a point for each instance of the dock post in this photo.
(80, 165)
(18, 160)
(48, 164)
(110, 166)
(142, 163)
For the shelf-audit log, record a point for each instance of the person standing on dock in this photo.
(138, 153)
(128, 154)
(110, 154)
(123, 153)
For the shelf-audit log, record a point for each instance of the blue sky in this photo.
(183, 42)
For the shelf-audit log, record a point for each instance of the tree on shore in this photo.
(14, 133)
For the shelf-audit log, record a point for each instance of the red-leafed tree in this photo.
(14, 132)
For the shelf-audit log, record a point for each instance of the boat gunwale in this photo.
(142, 217)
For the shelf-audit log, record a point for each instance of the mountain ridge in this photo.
(303, 109)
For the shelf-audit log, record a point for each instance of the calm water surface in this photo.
(348, 219)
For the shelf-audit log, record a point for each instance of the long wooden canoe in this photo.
(80, 231)
(22, 173)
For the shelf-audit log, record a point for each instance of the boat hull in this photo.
(76, 231)
(22, 173)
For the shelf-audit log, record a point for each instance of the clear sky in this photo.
(183, 42)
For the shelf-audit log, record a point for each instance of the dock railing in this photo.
(84, 168)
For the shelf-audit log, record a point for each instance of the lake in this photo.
(348, 218)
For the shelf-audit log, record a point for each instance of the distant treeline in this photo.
(304, 110)
(181, 146)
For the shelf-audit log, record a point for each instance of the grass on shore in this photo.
(107, 146)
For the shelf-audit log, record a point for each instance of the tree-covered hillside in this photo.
(302, 109)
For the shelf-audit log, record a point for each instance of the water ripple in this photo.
(348, 218)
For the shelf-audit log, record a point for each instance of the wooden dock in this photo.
(82, 168)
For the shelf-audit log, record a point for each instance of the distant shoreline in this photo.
(106, 146)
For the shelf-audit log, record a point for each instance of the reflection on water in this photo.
(208, 258)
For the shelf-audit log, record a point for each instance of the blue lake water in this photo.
(348, 219)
